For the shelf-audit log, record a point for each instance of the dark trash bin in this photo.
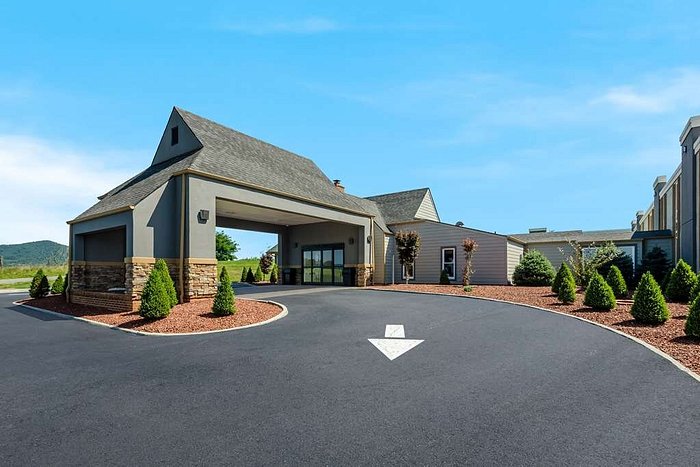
(289, 276)
(349, 276)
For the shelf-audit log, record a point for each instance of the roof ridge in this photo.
(398, 192)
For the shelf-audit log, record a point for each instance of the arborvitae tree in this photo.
(682, 281)
(274, 274)
(162, 268)
(225, 300)
(155, 301)
(44, 287)
(244, 274)
(616, 282)
(249, 277)
(533, 270)
(560, 275)
(695, 291)
(35, 287)
(599, 295)
(258, 274)
(57, 286)
(444, 278)
(567, 287)
(649, 305)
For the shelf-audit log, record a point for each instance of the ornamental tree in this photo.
(681, 282)
(266, 262)
(408, 247)
(225, 299)
(469, 247)
(162, 268)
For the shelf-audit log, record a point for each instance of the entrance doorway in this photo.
(323, 265)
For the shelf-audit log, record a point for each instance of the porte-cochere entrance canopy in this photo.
(205, 175)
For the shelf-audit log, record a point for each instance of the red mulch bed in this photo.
(195, 316)
(668, 337)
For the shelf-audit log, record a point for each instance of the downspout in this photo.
(182, 239)
(70, 261)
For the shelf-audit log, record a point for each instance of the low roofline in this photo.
(101, 214)
(692, 122)
(671, 181)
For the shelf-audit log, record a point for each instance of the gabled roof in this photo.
(615, 235)
(226, 153)
(404, 206)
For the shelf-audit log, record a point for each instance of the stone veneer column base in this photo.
(200, 278)
(363, 276)
(138, 270)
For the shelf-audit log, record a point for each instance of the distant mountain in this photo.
(31, 253)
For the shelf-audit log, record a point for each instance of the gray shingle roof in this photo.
(614, 235)
(241, 158)
(401, 206)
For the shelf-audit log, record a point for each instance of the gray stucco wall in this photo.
(688, 222)
(324, 233)
(490, 260)
(187, 141)
(106, 245)
(157, 223)
(122, 219)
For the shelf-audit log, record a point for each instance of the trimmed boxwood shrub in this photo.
(616, 282)
(560, 275)
(155, 301)
(649, 305)
(249, 277)
(162, 268)
(681, 283)
(695, 291)
(244, 274)
(57, 286)
(225, 300)
(599, 295)
(40, 285)
(274, 274)
(444, 278)
(567, 287)
(692, 323)
(258, 274)
(533, 270)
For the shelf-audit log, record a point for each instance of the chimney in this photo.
(639, 216)
(633, 225)
(338, 186)
(538, 230)
(659, 183)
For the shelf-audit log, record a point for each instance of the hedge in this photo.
(533, 270)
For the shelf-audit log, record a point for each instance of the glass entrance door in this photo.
(323, 265)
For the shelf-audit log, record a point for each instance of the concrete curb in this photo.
(280, 315)
(656, 350)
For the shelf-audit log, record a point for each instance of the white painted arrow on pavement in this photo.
(394, 344)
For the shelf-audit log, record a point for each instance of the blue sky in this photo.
(515, 114)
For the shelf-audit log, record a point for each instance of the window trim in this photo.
(403, 272)
(454, 261)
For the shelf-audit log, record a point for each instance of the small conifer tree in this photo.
(560, 275)
(649, 305)
(225, 300)
(34, 288)
(444, 279)
(162, 268)
(57, 286)
(244, 274)
(599, 295)
(534, 269)
(249, 277)
(155, 301)
(274, 274)
(695, 291)
(567, 288)
(258, 274)
(616, 282)
(682, 281)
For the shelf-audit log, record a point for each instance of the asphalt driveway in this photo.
(491, 384)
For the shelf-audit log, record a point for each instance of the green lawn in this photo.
(17, 285)
(234, 268)
(16, 272)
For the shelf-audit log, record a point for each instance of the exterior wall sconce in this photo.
(296, 244)
(203, 216)
(351, 241)
(369, 239)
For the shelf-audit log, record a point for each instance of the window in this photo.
(174, 136)
(411, 271)
(448, 262)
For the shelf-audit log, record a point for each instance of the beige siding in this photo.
(490, 260)
(379, 255)
(552, 251)
(427, 209)
(515, 253)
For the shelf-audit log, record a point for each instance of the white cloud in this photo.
(44, 183)
(311, 25)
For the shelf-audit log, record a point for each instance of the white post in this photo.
(392, 269)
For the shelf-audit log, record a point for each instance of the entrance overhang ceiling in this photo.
(248, 212)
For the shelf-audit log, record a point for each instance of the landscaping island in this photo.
(669, 337)
(194, 316)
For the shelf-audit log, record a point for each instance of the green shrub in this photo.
(666, 279)
(155, 301)
(244, 274)
(656, 262)
(225, 301)
(599, 295)
(560, 275)
(681, 283)
(258, 274)
(624, 263)
(533, 270)
(695, 291)
(162, 268)
(274, 274)
(40, 285)
(57, 286)
(692, 323)
(567, 286)
(616, 282)
(444, 278)
(468, 288)
(249, 277)
(649, 305)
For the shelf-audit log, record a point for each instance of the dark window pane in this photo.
(307, 259)
(327, 258)
(449, 255)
